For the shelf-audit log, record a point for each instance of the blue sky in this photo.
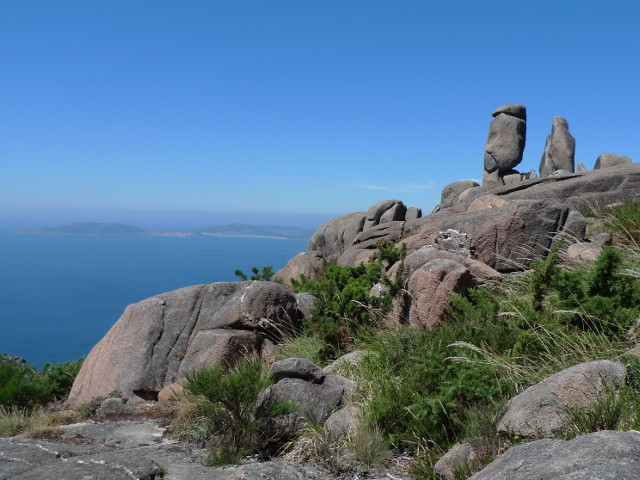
(150, 110)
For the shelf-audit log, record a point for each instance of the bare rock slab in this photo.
(542, 408)
(602, 455)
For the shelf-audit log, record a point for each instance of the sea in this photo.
(59, 295)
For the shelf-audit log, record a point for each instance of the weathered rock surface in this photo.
(451, 192)
(347, 361)
(459, 456)
(413, 213)
(315, 399)
(305, 263)
(503, 236)
(335, 236)
(385, 211)
(602, 455)
(301, 368)
(344, 422)
(115, 406)
(480, 271)
(606, 160)
(127, 450)
(581, 191)
(306, 301)
(158, 340)
(505, 143)
(542, 408)
(559, 149)
(430, 287)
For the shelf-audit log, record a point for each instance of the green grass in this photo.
(426, 389)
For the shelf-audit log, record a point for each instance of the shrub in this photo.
(265, 274)
(601, 298)
(345, 306)
(225, 408)
(25, 388)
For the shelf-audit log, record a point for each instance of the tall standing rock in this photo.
(559, 149)
(505, 143)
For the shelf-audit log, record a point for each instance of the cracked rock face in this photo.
(505, 143)
(160, 339)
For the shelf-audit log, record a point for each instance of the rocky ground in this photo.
(140, 449)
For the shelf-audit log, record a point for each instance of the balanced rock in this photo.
(157, 341)
(505, 143)
(559, 149)
(606, 160)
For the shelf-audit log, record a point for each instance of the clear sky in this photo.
(293, 106)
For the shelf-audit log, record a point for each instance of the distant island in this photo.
(238, 230)
(84, 228)
(118, 229)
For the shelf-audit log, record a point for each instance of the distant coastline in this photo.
(118, 229)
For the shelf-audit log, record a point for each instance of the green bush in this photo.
(417, 393)
(602, 298)
(226, 409)
(345, 306)
(22, 387)
(265, 274)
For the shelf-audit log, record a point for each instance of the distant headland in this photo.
(118, 229)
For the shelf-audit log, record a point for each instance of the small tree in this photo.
(265, 274)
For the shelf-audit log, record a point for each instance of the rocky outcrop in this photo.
(363, 230)
(543, 408)
(315, 396)
(451, 192)
(344, 422)
(430, 287)
(602, 455)
(503, 237)
(305, 263)
(505, 143)
(606, 160)
(7, 359)
(335, 236)
(559, 149)
(157, 341)
(433, 276)
(385, 211)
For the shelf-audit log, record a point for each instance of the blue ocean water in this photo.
(60, 294)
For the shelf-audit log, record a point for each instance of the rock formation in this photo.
(606, 160)
(559, 149)
(315, 395)
(505, 143)
(159, 340)
(451, 192)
